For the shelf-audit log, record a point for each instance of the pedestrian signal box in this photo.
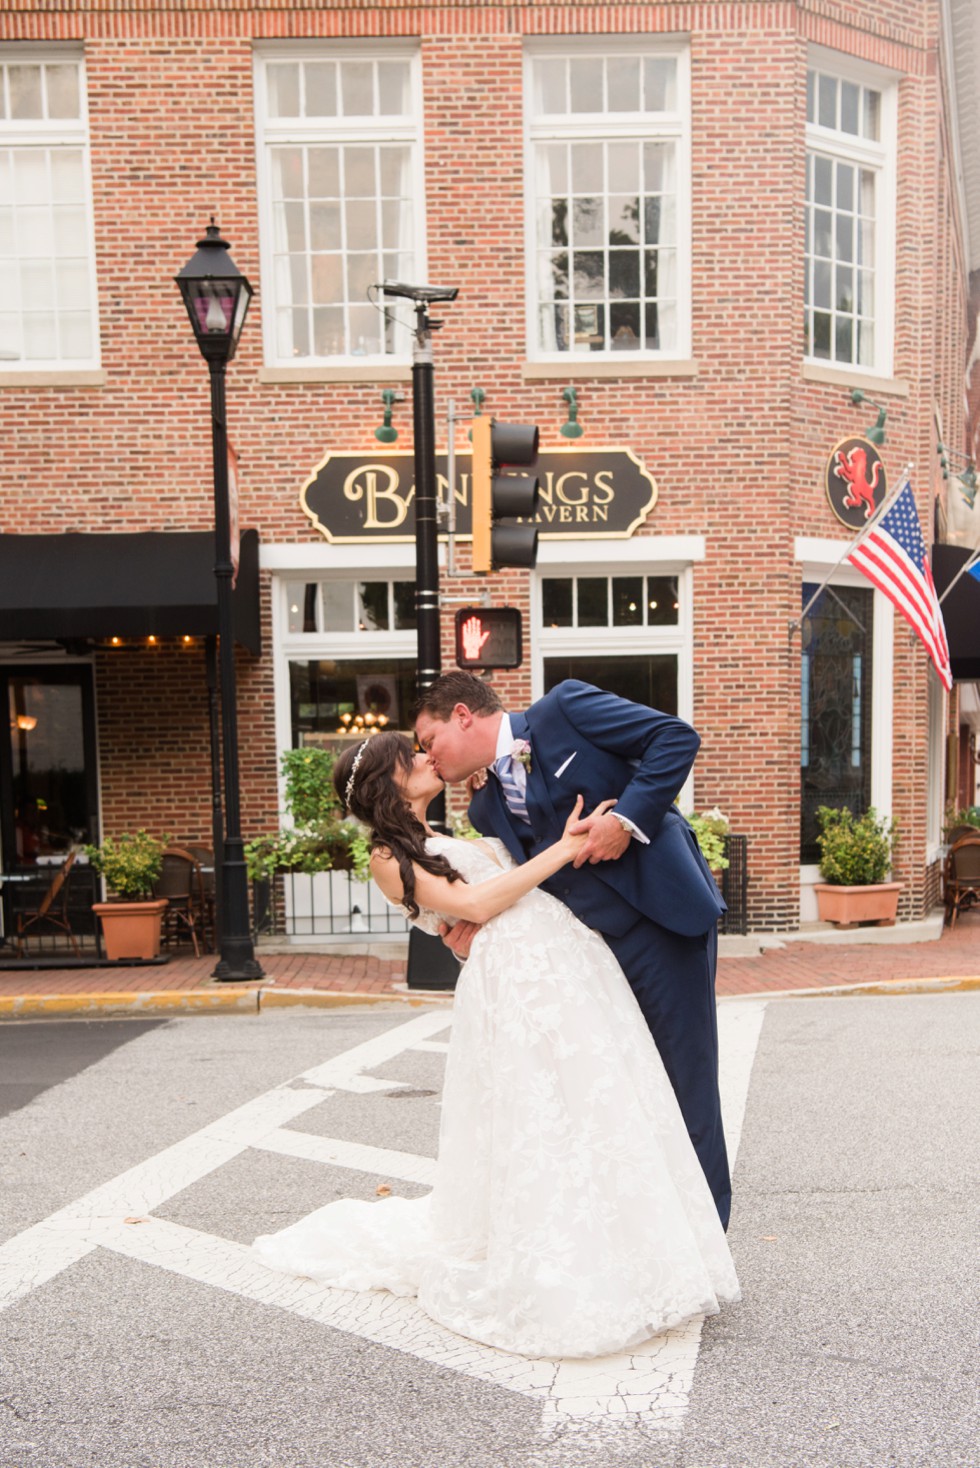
(488, 637)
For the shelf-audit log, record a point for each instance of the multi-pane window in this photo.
(835, 707)
(847, 188)
(339, 147)
(609, 601)
(622, 632)
(47, 274)
(608, 258)
(351, 652)
(350, 606)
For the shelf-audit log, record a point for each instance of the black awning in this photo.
(961, 611)
(158, 582)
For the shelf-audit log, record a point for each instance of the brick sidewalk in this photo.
(797, 965)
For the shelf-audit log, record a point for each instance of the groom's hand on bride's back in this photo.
(459, 938)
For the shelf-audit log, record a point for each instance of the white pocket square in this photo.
(562, 768)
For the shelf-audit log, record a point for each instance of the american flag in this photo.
(893, 556)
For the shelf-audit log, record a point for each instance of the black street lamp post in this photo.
(216, 295)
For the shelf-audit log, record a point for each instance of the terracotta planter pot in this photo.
(849, 906)
(131, 929)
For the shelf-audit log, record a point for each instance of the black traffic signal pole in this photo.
(426, 505)
(430, 964)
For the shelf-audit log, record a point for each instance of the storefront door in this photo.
(48, 774)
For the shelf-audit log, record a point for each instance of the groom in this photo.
(640, 880)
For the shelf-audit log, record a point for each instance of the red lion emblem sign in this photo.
(855, 481)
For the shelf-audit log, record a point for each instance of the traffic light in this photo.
(488, 637)
(500, 496)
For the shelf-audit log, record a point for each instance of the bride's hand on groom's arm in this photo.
(575, 834)
(604, 838)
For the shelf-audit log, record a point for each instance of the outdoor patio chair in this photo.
(51, 911)
(180, 883)
(962, 876)
(204, 857)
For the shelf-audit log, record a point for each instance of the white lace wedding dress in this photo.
(569, 1215)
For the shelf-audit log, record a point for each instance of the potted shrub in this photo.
(318, 841)
(131, 922)
(318, 838)
(711, 827)
(855, 859)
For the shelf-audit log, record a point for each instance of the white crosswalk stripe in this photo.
(652, 1382)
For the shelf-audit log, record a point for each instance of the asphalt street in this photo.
(140, 1159)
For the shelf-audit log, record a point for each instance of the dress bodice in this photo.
(476, 861)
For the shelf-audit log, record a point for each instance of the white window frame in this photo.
(817, 558)
(271, 132)
(882, 157)
(676, 640)
(586, 127)
(345, 563)
(53, 133)
(937, 768)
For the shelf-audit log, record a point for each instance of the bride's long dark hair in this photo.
(375, 799)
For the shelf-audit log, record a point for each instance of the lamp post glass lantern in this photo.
(216, 296)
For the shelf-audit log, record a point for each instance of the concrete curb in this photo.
(254, 999)
(335, 999)
(946, 984)
(37, 1006)
(198, 1001)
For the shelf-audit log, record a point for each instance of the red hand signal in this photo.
(474, 635)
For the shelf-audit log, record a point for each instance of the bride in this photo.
(569, 1216)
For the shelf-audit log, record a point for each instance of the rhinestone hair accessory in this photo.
(349, 787)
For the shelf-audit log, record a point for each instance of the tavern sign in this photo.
(584, 493)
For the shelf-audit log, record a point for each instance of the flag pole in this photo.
(967, 565)
(903, 479)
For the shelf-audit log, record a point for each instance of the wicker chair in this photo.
(180, 883)
(961, 877)
(51, 911)
(204, 857)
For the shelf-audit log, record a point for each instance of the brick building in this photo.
(695, 229)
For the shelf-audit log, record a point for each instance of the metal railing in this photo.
(735, 885)
(312, 906)
(306, 907)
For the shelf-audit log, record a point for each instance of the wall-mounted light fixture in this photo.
(477, 397)
(572, 428)
(876, 433)
(968, 481)
(387, 434)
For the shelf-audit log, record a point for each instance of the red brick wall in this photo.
(737, 450)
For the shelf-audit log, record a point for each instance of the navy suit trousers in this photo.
(673, 978)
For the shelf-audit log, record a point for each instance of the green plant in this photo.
(968, 816)
(310, 796)
(318, 839)
(359, 846)
(130, 864)
(855, 851)
(711, 827)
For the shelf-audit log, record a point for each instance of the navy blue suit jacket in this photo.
(586, 742)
